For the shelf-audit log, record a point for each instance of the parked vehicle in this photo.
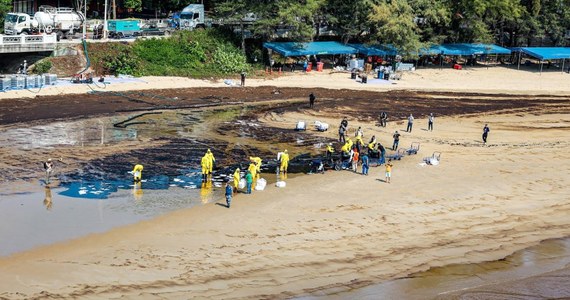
(123, 28)
(63, 21)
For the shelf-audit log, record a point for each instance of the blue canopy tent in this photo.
(312, 48)
(544, 53)
(465, 49)
(379, 50)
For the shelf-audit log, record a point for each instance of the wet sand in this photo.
(336, 231)
(321, 234)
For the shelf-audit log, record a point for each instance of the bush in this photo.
(120, 59)
(42, 66)
(197, 53)
(230, 60)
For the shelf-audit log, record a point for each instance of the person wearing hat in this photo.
(237, 177)
(396, 137)
(48, 167)
(330, 151)
(211, 161)
(284, 162)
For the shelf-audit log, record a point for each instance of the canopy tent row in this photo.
(464, 49)
(312, 48)
(332, 48)
(544, 53)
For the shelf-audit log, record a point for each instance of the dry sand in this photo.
(340, 230)
(497, 79)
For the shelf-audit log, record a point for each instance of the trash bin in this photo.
(320, 66)
(364, 79)
(352, 75)
(309, 67)
(386, 76)
(380, 74)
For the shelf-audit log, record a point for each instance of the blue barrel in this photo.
(380, 74)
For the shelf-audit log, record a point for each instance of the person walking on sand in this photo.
(342, 131)
(242, 75)
(311, 100)
(410, 123)
(237, 177)
(486, 130)
(396, 137)
(249, 181)
(389, 171)
(229, 192)
(48, 167)
(383, 119)
(365, 162)
(430, 121)
(355, 158)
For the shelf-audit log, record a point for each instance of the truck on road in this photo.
(63, 21)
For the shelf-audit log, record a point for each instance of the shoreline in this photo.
(339, 230)
(493, 80)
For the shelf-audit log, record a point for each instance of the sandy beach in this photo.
(341, 230)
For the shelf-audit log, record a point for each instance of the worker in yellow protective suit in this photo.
(212, 159)
(137, 173)
(346, 147)
(257, 161)
(330, 151)
(237, 177)
(205, 164)
(359, 139)
(252, 169)
(284, 162)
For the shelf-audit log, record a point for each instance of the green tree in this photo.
(349, 19)
(5, 7)
(135, 5)
(394, 24)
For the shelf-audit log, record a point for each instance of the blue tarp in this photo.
(380, 50)
(543, 53)
(465, 49)
(312, 48)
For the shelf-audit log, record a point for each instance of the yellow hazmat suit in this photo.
(284, 162)
(211, 159)
(205, 164)
(371, 146)
(346, 147)
(257, 162)
(137, 172)
(253, 170)
(236, 178)
(330, 149)
(359, 140)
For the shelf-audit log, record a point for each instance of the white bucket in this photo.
(242, 183)
(260, 185)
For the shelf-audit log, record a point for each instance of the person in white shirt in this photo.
(410, 123)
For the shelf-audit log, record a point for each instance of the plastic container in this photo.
(309, 67)
(17, 82)
(280, 184)
(352, 75)
(380, 74)
(242, 183)
(50, 79)
(301, 125)
(31, 81)
(5, 83)
(260, 184)
(320, 66)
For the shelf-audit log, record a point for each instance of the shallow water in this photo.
(548, 256)
(100, 194)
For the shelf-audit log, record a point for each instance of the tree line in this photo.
(409, 24)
